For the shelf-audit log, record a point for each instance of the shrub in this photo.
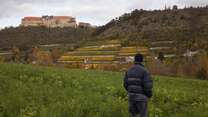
(202, 74)
(1, 59)
(44, 58)
(202, 68)
(158, 67)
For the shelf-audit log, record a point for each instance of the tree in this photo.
(55, 55)
(175, 7)
(32, 57)
(161, 56)
(16, 54)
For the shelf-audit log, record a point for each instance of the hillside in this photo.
(33, 36)
(103, 55)
(171, 32)
(187, 27)
(31, 91)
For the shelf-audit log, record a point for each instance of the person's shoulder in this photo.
(133, 67)
(130, 68)
(143, 68)
(146, 71)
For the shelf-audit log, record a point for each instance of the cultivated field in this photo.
(31, 91)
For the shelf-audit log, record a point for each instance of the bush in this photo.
(202, 68)
(160, 68)
(1, 59)
(190, 67)
(202, 74)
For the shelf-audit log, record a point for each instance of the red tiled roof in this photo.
(32, 18)
(62, 17)
(40, 18)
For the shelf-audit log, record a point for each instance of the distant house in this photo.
(50, 21)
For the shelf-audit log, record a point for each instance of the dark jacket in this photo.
(138, 81)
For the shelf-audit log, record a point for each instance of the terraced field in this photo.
(164, 46)
(110, 51)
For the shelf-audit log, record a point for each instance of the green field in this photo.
(28, 91)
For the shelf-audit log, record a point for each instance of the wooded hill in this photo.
(188, 27)
(32, 36)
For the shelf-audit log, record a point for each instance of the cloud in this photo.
(93, 11)
(193, 2)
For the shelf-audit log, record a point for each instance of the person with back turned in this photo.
(139, 85)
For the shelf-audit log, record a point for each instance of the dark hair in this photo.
(138, 58)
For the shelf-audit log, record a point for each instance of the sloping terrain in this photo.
(105, 52)
(25, 37)
(31, 91)
(188, 28)
(173, 32)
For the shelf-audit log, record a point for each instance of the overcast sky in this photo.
(97, 12)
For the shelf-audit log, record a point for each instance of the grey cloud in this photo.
(93, 10)
(11, 8)
(193, 2)
(160, 4)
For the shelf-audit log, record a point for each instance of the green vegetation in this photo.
(29, 91)
(187, 27)
(26, 37)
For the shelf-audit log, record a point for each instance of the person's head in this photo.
(138, 58)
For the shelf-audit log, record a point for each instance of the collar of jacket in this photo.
(139, 63)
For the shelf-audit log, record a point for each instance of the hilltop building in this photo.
(50, 21)
(54, 21)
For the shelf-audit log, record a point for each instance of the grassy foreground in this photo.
(28, 91)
